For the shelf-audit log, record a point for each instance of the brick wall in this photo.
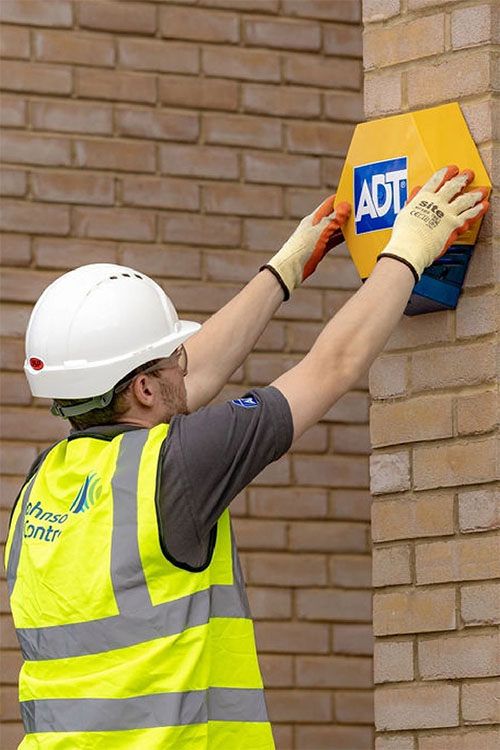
(435, 419)
(186, 139)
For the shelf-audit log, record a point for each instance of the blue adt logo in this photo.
(380, 192)
(88, 493)
(249, 402)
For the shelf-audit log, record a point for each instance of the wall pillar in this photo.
(435, 418)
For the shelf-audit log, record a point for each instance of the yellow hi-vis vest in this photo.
(123, 648)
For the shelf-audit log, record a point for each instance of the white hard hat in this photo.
(93, 326)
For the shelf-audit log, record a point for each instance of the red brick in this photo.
(391, 565)
(244, 200)
(72, 117)
(155, 192)
(265, 234)
(8, 633)
(301, 336)
(216, 232)
(344, 105)
(12, 112)
(277, 671)
(350, 504)
(328, 536)
(459, 656)
(427, 515)
(383, 93)
(416, 707)
(314, 440)
(15, 250)
(10, 486)
(288, 503)
(199, 25)
(282, 34)
(14, 389)
(282, 169)
(114, 224)
(246, 64)
(411, 420)
(351, 408)
(341, 40)
(414, 611)
(458, 560)
(36, 78)
(12, 734)
(405, 42)
(12, 662)
(37, 423)
(14, 42)
(471, 28)
(353, 639)
(480, 604)
(479, 510)
(292, 637)
(175, 262)
(389, 472)
(261, 6)
(263, 369)
(26, 148)
(114, 154)
(71, 253)
(454, 78)
(318, 138)
(354, 707)
(200, 161)
(269, 603)
(282, 569)
(13, 182)
(65, 187)
(116, 85)
(393, 661)
(455, 464)
(332, 170)
(232, 266)
(332, 471)
(34, 218)
(480, 702)
(299, 705)
(188, 297)
(282, 101)
(14, 320)
(334, 671)
(166, 126)
(37, 12)
(253, 534)
(313, 70)
(165, 57)
(351, 571)
(334, 10)
(272, 338)
(80, 49)
(198, 93)
(139, 18)
(242, 131)
(338, 605)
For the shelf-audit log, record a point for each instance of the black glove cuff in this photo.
(401, 260)
(281, 282)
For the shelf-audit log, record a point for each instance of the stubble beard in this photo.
(174, 398)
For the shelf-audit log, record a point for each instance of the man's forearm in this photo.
(228, 336)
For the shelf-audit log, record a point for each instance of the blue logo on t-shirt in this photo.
(380, 192)
(249, 402)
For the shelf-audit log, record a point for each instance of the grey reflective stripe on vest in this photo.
(139, 620)
(142, 712)
(17, 540)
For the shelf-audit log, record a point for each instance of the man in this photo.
(124, 579)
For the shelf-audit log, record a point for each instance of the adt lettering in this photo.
(380, 192)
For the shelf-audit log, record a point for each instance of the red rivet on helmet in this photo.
(36, 363)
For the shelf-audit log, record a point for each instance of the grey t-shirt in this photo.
(207, 459)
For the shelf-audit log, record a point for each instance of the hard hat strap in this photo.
(98, 402)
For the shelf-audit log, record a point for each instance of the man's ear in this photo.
(142, 391)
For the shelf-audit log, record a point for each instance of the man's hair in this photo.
(116, 408)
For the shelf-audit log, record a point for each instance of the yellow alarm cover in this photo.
(387, 158)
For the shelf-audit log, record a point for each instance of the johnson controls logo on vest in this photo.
(380, 192)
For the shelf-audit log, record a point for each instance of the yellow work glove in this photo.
(314, 237)
(434, 216)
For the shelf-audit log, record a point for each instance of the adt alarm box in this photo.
(386, 159)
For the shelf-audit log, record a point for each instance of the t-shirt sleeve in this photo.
(208, 458)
